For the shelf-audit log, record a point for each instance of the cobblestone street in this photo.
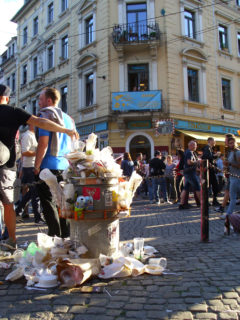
(204, 284)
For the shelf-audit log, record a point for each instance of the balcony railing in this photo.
(135, 33)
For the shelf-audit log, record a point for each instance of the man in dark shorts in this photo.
(190, 174)
(10, 120)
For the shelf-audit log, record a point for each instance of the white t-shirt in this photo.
(28, 143)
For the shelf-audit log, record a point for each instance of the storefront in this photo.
(100, 129)
(193, 130)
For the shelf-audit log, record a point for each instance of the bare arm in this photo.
(40, 152)
(51, 126)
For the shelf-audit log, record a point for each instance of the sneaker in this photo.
(8, 245)
(223, 217)
(216, 203)
(25, 216)
(169, 202)
(219, 209)
(181, 207)
(158, 202)
(40, 221)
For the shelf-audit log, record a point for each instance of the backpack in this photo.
(4, 153)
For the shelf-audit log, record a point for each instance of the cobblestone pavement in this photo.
(205, 283)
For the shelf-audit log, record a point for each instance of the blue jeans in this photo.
(233, 191)
(154, 184)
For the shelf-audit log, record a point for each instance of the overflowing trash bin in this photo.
(93, 196)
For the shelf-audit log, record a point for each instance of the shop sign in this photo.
(139, 100)
(141, 124)
(204, 127)
(164, 126)
(95, 127)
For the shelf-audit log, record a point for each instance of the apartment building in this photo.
(142, 75)
(184, 57)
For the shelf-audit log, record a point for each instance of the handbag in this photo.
(4, 153)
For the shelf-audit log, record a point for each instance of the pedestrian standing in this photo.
(50, 154)
(208, 154)
(220, 175)
(170, 178)
(179, 173)
(127, 165)
(233, 164)
(190, 174)
(10, 120)
(156, 180)
(28, 147)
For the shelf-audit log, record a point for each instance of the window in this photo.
(223, 37)
(193, 88)
(50, 57)
(13, 49)
(89, 89)
(50, 13)
(65, 47)
(25, 35)
(35, 67)
(13, 82)
(89, 30)
(64, 91)
(136, 20)
(238, 3)
(138, 77)
(238, 39)
(64, 4)
(226, 94)
(35, 26)
(24, 74)
(189, 24)
(8, 82)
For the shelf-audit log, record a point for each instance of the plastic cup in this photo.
(138, 243)
(159, 262)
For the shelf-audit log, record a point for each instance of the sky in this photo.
(8, 29)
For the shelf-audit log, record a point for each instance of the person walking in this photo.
(10, 120)
(156, 179)
(28, 147)
(170, 178)
(50, 154)
(208, 154)
(190, 174)
(127, 165)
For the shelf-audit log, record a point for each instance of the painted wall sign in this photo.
(141, 124)
(139, 100)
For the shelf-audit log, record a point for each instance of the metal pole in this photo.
(204, 174)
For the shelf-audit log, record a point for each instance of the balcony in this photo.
(135, 33)
(137, 101)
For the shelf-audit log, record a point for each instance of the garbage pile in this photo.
(90, 167)
(55, 261)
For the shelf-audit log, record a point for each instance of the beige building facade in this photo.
(142, 75)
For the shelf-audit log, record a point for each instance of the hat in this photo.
(4, 154)
(4, 91)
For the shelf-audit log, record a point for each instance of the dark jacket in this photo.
(156, 167)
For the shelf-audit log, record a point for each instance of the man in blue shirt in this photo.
(50, 154)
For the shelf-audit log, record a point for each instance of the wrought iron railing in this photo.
(135, 32)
